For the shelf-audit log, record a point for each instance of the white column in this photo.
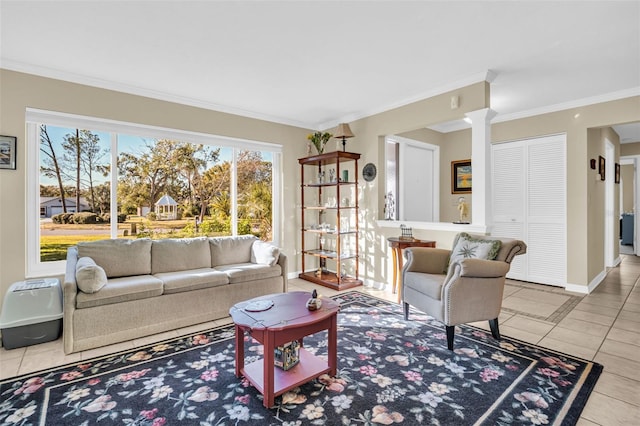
(481, 213)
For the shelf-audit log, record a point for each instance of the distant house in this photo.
(166, 208)
(51, 206)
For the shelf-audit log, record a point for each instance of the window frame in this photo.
(35, 117)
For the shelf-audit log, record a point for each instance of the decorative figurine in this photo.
(463, 208)
(389, 207)
(314, 303)
(332, 175)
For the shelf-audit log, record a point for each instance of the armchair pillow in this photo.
(467, 247)
(89, 276)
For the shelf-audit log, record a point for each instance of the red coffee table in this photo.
(288, 319)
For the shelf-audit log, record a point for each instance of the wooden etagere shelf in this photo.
(329, 218)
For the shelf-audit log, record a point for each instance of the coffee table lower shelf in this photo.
(309, 368)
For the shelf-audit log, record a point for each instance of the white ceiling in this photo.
(317, 63)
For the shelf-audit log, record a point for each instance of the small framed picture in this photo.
(461, 177)
(617, 177)
(8, 152)
(601, 167)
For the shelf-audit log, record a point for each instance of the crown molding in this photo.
(607, 97)
(487, 75)
(452, 126)
(141, 91)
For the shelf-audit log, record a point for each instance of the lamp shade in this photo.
(343, 131)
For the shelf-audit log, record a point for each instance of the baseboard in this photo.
(576, 288)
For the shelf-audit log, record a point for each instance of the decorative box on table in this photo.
(287, 356)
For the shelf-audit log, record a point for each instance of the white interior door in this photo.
(418, 176)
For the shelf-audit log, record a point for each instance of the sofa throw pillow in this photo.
(264, 253)
(89, 276)
(468, 247)
(180, 254)
(121, 257)
(231, 250)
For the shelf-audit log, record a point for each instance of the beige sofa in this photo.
(125, 289)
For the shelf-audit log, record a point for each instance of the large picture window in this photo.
(92, 179)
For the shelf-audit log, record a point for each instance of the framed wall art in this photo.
(617, 176)
(601, 167)
(461, 177)
(8, 152)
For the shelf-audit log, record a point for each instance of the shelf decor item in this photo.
(287, 356)
(406, 233)
(319, 140)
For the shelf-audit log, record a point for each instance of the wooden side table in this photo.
(287, 320)
(397, 245)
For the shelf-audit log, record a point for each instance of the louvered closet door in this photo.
(546, 221)
(535, 205)
(508, 198)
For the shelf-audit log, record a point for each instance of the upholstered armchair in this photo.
(455, 286)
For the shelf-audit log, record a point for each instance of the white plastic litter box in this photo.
(31, 313)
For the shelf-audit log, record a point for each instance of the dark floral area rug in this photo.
(390, 371)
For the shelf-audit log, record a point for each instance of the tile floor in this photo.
(603, 326)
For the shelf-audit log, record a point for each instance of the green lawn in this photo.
(55, 247)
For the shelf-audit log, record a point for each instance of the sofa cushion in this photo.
(467, 247)
(195, 279)
(172, 255)
(120, 290)
(231, 250)
(249, 271)
(121, 257)
(264, 253)
(89, 276)
(428, 284)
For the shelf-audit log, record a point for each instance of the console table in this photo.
(397, 245)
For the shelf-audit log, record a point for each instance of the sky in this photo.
(126, 143)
